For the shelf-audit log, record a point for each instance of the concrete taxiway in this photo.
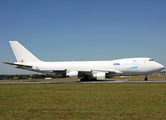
(73, 81)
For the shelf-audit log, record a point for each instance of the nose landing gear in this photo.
(146, 78)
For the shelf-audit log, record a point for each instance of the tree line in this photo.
(34, 76)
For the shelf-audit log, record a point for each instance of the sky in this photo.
(78, 30)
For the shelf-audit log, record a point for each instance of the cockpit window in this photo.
(150, 59)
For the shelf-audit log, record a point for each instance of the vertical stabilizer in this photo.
(21, 53)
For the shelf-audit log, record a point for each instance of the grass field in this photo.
(140, 77)
(83, 101)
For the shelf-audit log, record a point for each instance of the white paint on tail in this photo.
(21, 53)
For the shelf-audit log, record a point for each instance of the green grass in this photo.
(141, 77)
(83, 101)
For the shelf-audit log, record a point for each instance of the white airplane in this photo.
(86, 70)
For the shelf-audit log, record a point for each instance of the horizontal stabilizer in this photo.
(17, 64)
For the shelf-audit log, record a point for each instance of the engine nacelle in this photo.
(35, 68)
(72, 74)
(100, 75)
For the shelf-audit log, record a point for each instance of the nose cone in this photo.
(158, 67)
(162, 67)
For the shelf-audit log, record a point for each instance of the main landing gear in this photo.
(146, 78)
(88, 79)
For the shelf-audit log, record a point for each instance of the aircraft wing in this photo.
(114, 72)
(99, 74)
(53, 72)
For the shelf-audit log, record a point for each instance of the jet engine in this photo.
(35, 68)
(100, 75)
(72, 74)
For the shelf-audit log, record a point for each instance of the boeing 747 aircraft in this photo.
(86, 70)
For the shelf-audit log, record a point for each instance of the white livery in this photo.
(86, 70)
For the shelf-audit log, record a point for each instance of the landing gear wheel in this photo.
(93, 79)
(146, 78)
(84, 79)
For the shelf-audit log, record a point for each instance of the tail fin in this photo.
(21, 53)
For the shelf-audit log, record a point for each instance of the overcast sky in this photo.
(71, 30)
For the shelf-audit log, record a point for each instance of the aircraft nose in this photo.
(163, 67)
(158, 67)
